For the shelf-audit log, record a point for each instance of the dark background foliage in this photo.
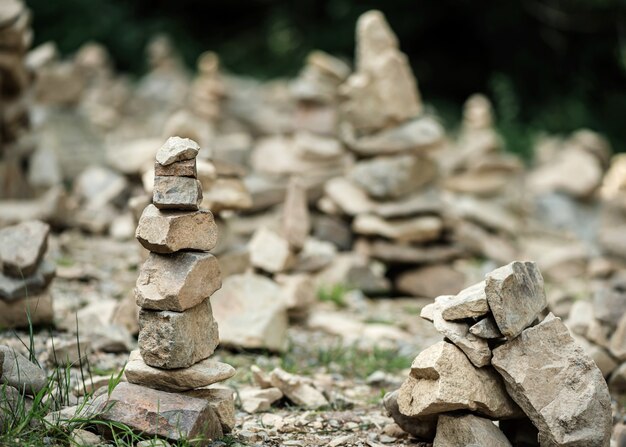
(547, 65)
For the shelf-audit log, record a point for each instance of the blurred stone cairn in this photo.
(168, 391)
(25, 275)
(500, 361)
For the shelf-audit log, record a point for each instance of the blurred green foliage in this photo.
(547, 64)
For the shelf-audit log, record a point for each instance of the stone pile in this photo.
(25, 275)
(499, 362)
(171, 372)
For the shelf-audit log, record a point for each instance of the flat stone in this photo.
(184, 168)
(227, 194)
(250, 313)
(178, 281)
(171, 231)
(421, 427)
(486, 328)
(172, 340)
(297, 389)
(157, 413)
(36, 309)
(403, 253)
(557, 385)
(351, 199)
(270, 251)
(468, 303)
(22, 246)
(468, 430)
(442, 379)
(580, 317)
(296, 218)
(177, 149)
(417, 229)
(12, 288)
(222, 400)
(254, 400)
(515, 295)
(430, 281)
(177, 193)
(17, 371)
(203, 373)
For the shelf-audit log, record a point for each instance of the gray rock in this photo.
(515, 295)
(171, 231)
(177, 149)
(19, 373)
(609, 302)
(296, 219)
(177, 282)
(397, 253)
(222, 400)
(557, 385)
(22, 246)
(12, 288)
(468, 303)
(468, 430)
(486, 328)
(430, 281)
(298, 389)
(423, 427)
(177, 193)
(171, 340)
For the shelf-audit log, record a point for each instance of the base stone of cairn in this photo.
(499, 362)
(168, 375)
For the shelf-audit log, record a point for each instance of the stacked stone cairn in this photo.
(25, 275)
(499, 362)
(171, 371)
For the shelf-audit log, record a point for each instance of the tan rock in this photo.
(297, 389)
(466, 430)
(603, 359)
(270, 251)
(222, 400)
(617, 343)
(418, 229)
(254, 400)
(351, 199)
(22, 247)
(35, 309)
(14, 288)
(419, 427)
(227, 194)
(430, 281)
(184, 168)
(468, 303)
(171, 231)
(443, 379)
(296, 219)
(172, 340)
(177, 282)
(557, 385)
(402, 253)
(178, 193)
(486, 328)
(203, 373)
(298, 291)
(177, 149)
(18, 372)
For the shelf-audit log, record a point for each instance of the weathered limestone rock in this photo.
(605, 362)
(177, 282)
(171, 340)
(422, 427)
(468, 430)
(392, 177)
(417, 229)
(486, 328)
(13, 288)
(177, 149)
(22, 246)
(270, 251)
(184, 168)
(296, 219)
(15, 314)
(442, 379)
(468, 303)
(557, 385)
(203, 373)
(250, 313)
(171, 231)
(178, 193)
(297, 389)
(515, 295)
(254, 400)
(222, 401)
(18, 372)
(153, 412)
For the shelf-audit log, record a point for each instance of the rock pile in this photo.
(170, 373)
(498, 362)
(25, 275)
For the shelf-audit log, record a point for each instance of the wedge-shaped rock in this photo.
(157, 413)
(422, 427)
(223, 402)
(177, 282)
(417, 229)
(22, 246)
(172, 340)
(204, 373)
(13, 288)
(515, 295)
(468, 430)
(557, 385)
(442, 379)
(171, 231)
(18, 372)
(184, 168)
(297, 389)
(177, 193)
(468, 303)
(486, 328)
(270, 251)
(177, 149)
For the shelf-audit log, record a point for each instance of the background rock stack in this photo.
(25, 275)
(498, 362)
(177, 331)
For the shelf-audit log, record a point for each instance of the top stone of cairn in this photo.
(177, 149)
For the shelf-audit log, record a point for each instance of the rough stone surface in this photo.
(22, 246)
(270, 251)
(468, 303)
(296, 219)
(177, 282)
(423, 427)
(177, 339)
(177, 193)
(486, 328)
(13, 288)
(203, 373)
(222, 400)
(184, 168)
(515, 295)
(19, 373)
(297, 389)
(171, 231)
(442, 379)
(557, 385)
(177, 149)
(154, 412)
(468, 430)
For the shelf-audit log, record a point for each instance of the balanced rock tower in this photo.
(168, 393)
